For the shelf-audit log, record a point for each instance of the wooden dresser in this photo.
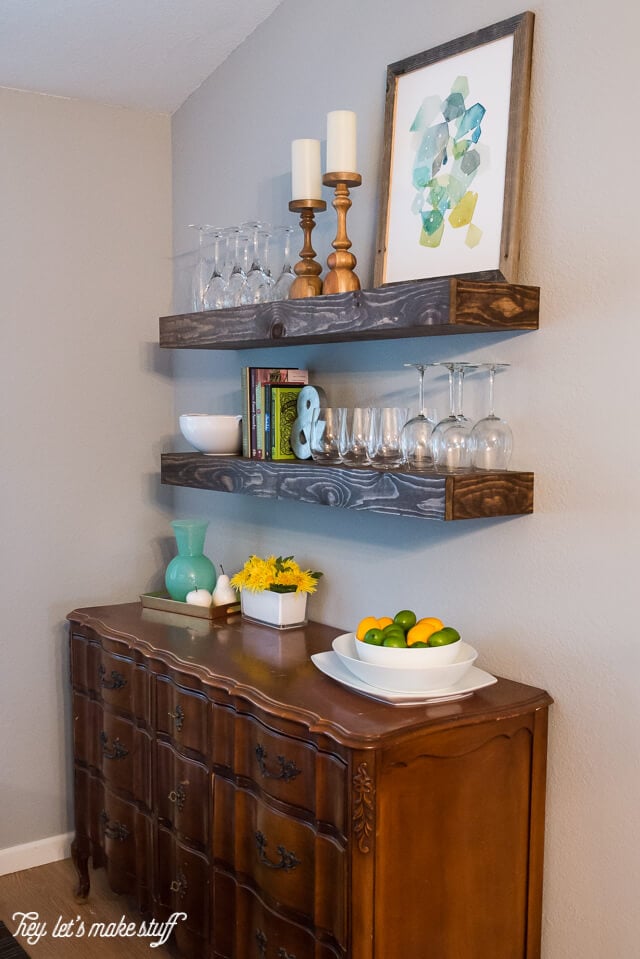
(220, 774)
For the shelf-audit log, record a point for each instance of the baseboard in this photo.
(37, 853)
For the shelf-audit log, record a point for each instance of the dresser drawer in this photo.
(114, 680)
(125, 836)
(181, 715)
(288, 769)
(246, 928)
(113, 745)
(289, 860)
(183, 885)
(183, 794)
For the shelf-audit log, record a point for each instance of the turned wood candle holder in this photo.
(307, 270)
(341, 277)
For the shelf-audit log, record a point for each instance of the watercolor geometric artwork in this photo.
(455, 129)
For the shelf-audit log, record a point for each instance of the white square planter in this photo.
(282, 610)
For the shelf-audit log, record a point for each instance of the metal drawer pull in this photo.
(288, 860)
(179, 885)
(118, 752)
(117, 680)
(113, 829)
(178, 795)
(262, 941)
(288, 768)
(178, 717)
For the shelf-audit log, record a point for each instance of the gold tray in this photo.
(162, 601)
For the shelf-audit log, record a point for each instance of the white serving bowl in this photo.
(212, 433)
(408, 679)
(404, 658)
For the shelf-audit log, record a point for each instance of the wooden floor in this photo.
(49, 891)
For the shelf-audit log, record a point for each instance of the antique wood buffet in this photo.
(220, 774)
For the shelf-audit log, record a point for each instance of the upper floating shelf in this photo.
(417, 308)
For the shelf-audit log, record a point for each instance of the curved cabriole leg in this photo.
(80, 856)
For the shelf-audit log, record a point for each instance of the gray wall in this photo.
(86, 399)
(546, 599)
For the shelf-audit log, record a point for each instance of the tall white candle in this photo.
(306, 178)
(341, 142)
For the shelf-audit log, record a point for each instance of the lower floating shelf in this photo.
(429, 495)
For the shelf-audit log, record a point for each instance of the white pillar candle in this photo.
(341, 142)
(306, 179)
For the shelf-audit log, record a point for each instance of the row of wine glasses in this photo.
(455, 443)
(235, 265)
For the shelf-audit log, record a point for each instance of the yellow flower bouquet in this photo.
(278, 574)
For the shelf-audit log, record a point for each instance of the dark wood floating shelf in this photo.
(417, 308)
(443, 496)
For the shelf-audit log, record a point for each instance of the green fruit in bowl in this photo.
(374, 636)
(406, 618)
(394, 640)
(444, 637)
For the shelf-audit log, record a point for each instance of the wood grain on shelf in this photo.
(418, 308)
(425, 495)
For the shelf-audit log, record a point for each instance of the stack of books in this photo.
(270, 407)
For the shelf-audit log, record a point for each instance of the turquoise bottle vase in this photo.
(190, 569)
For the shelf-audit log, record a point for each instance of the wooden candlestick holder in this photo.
(341, 277)
(308, 270)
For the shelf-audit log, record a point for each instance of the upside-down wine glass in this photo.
(451, 437)
(202, 269)
(491, 437)
(416, 432)
(286, 277)
(259, 280)
(216, 293)
(237, 282)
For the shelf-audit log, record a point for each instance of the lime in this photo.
(374, 636)
(393, 628)
(405, 618)
(419, 645)
(395, 640)
(444, 636)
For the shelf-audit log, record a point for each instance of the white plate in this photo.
(407, 679)
(329, 664)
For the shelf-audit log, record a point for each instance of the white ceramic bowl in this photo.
(404, 658)
(408, 679)
(212, 433)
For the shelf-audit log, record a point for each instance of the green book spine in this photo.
(266, 406)
(284, 412)
(246, 412)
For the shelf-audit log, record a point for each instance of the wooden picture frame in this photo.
(454, 136)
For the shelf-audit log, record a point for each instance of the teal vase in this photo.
(190, 569)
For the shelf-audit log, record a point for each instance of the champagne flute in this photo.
(416, 432)
(491, 437)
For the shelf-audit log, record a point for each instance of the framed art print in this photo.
(454, 136)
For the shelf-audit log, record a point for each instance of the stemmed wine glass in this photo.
(237, 282)
(282, 285)
(491, 437)
(416, 432)
(216, 292)
(202, 269)
(451, 437)
(259, 279)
